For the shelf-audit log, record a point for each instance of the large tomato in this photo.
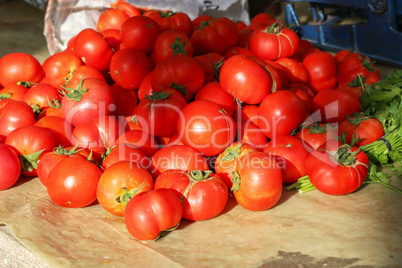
(125, 152)
(203, 193)
(336, 168)
(206, 127)
(40, 96)
(14, 92)
(139, 139)
(60, 129)
(170, 43)
(321, 70)
(20, 67)
(13, 115)
(73, 182)
(213, 91)
(177, 157)
(274, 42)
(296, 72)
(149, 213)
(280, 112)
(170, 20)
(125, 101)
(317, 134)
(257, 184)
(10, 167)
(119, 183)
(93, 49)
(355, 64)
(157, 114)
(215, 35)
(211, 63)
(111, 18)
(29, 143)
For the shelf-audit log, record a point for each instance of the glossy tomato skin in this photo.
(149, 213)
(279, 113)
(317, 134)
(292, 153)
(13, 115)
(206, 127)
(321, 69)
(170, 43)
(213, 91)
(177, 157)
(217, 35)
(20, 67)
(171, 20)
(29, 140)
(226, 162)
(296, 72)
(111, 18)
(332, 177)
(10, 167)
(93, 49)
(140, 32)
(129, 66)
(40, 95)
(355, 64)
(119, 183)
(73, 182)
(125, 101)
(247, 78)
(211, 63)
(204, 194)
(257, 185)
(365, 129)
(58, 127)
(83, 72)
(125, 152)
(14, 92)
(139, 139)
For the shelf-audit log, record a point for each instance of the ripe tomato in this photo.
(296, 72)
(157, 114)
(130, 9)
(129, 66)
(139, 139)
(40, 96)
(170, 43)
(140, 32)
(10, 167)
(280, 112)
(333, 106)
(125, 101)
(257, 184)
(203, 194)
(355, 64)
(247, 78)
(317, 134)
(73, 182)
(336, 168)
(13, 92)
(20, 67)
(125, 152)
(170, 20)
(274, 42)
(177, 157)
(363, 128)
(83, 72)
(250, 133)
(58, 127)
(13, 115)
(111, 18)
(237, 51)
(149, 213)
(93, 49)
(29, 143)
(215, 35)
(91, 99)
(180, 72)
(206, 127)
(321, 70)
(113, 37)
(226, 162)
(145, 87)
(212, 91)
(211, 63)
(119, 183)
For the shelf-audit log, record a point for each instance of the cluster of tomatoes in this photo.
(137, 113)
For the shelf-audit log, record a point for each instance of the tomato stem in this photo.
(199, 175)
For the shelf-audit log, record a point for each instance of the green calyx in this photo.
(231, 154)
(180, 88)
(217, 69)
(274, 28)
(356, 118)
(358, 81)
(199, 175)
(36, 109)
(236, 182)
(75, 94)
(54, 103)
(59, 150)
(178, 46)
(166, 14)
(128, 194)
(5, 96)
(158, 96)
(317, 129)
(345, 156)
(368, 64)
(30, 162)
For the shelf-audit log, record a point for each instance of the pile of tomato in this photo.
(159, 117)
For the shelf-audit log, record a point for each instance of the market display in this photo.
(161, 118)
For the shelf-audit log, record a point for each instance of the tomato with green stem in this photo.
(169, 20)
(170, 43)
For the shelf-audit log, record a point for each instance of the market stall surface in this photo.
(363, 229)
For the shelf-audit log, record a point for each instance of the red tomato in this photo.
(145, 87)
(129, 66)
(355, 64)
(20, 67)
(139, 139)
(333, 106)
(237, 51)
(113, 36)
(13, 115)
(58, 127)
(247, 78)
(83, 72)
(130, 9)
(126, 152)
(264, 18)
(248, 113)
(29, 143)
(60, 67)
(177, 157)
(281, 77)
(180, 72)
(240, 25)
(170, 20)
(204, 194)
(73, 182)
(363, 128)
(274, 42)
(305, 48)
(10, 167)
(321, 70)
(206, 127)
(227, 161)
(91, 99)
(211, 63)
(111, 18)
(202, 19)
(280, 112)
(216, 35)
(296, 72)
(41, 96)
(244, 37)
(356, 86)
(170, 43)
(14, 92)
(250, 133)
(257, 185)
(149, 213)
(337, 169)
(213, 91)
(93, 49)
(140, 32)
(119, 183)
(291, 152)
(125, 101)
(317, 134)
(157, 114)
(340, 55)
